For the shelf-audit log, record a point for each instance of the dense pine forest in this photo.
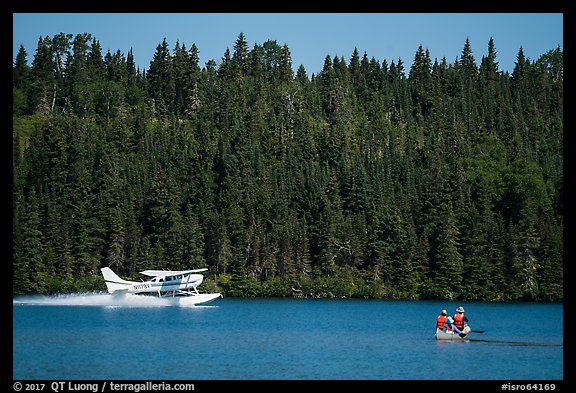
(435, 180)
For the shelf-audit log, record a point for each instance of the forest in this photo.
(435, 180)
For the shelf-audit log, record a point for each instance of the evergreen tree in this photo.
(78, 75)
(160, 79)
(20, 71)
(42, 91)
(285, 73)
(240, 55)
(467, 63)
(421, 81)
(526, 262)
(29, 272)
(448, 275)
(20, 82)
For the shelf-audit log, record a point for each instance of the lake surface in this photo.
(95, 336)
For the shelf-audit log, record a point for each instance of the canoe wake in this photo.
(517, 343)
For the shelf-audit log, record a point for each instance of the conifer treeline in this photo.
(369, 179)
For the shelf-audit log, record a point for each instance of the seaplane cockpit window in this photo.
(168, 278)
(153, 280)
(179, 277)
(186, 274)
(161, 280)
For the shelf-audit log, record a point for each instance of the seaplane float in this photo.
(179, 285)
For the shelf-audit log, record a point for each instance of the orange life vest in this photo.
(440, 321)
(459, 321)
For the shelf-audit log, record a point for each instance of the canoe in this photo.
(442, 335)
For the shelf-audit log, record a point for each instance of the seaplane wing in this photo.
(156, 273)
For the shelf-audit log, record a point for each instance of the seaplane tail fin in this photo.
(113, 282)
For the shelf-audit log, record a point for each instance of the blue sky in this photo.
(310, 37)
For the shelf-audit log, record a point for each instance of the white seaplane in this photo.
(180, 285)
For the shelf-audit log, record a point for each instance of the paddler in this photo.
(443, 322)
(460, 321)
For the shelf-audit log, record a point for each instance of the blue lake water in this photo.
(93, 336)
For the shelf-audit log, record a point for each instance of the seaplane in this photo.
(180, 285)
